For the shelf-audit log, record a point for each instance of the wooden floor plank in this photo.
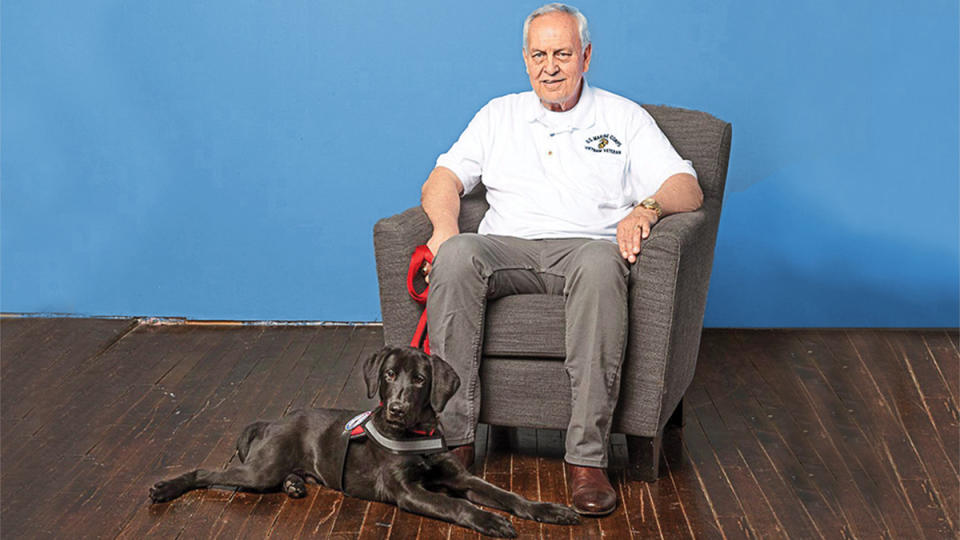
(324, 507)
(834, 449)
(953, 335)
(407, 526)
(50, 368)
(378, 522)
(525, 477)
(78, 403)
(724, 505)
(654, 509)
(196, 442)
(839, 367)
(760, 501)
(637, 503)
(126, 448)
(742, 468)
(338, 372)
(933, 390)
(617, 524)
(293, 514)
(44, 360)
(923, 457)
(54, 441)
(23, 338)
(817, 428)
(795, 434)
(683, 479)
(497, 464)
(553, 486)
(293, 366)
(12, 328)
(265, 391)
(946, 360)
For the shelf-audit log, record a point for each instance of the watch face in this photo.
(651, 204)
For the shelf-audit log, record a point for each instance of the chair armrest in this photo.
(668, 292)
(674, 232)
(394, 239)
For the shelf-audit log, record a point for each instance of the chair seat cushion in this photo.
(525, 325)
(523, 392)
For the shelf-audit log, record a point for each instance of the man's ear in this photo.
(371, 370)
(444, 384)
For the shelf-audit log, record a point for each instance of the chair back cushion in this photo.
(701, 138)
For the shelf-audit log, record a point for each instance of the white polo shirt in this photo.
(559, 175)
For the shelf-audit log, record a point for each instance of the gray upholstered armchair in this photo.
(524, 383)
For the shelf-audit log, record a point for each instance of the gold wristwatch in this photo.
(652, 205)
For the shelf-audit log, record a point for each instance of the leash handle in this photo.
(421, 255)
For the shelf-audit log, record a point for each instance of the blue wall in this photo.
(227, 159)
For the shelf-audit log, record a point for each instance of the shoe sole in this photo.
(594, 514)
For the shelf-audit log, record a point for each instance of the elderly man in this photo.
(575, 177)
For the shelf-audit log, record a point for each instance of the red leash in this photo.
(421, 255)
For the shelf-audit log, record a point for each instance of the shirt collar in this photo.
(581, 116)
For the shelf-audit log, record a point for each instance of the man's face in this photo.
(555, 62)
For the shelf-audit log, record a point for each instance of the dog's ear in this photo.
(371, 370)
(444, 384)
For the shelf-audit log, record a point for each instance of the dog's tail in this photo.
(250, 433)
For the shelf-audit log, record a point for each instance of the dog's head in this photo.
(410, 383)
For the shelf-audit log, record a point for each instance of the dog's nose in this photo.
(396, 409)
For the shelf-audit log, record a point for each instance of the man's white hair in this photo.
(561, 8)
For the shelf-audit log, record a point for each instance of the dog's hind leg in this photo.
(242, 476)
(294, 486)
(250, 433)
(167, 490)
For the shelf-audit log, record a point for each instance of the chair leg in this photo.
(644, 455)
(676, 419)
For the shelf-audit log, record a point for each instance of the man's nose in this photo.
(552, 66)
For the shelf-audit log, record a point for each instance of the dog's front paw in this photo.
(492, 524)
(166, 491)
(554, 513)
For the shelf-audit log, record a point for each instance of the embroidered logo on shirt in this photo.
(603, 143)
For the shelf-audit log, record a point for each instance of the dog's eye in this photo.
(389, 374)
(419, 379)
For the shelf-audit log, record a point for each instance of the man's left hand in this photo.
(633, 229)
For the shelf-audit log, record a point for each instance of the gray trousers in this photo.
(471, 269)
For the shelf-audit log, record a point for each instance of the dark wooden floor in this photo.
(798, 434)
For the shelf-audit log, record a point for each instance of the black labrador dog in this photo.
(413, 388)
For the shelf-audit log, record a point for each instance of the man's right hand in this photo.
(440, 198)
(434, 243)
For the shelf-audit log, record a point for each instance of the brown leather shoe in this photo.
(464, 453)
(591, 491)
